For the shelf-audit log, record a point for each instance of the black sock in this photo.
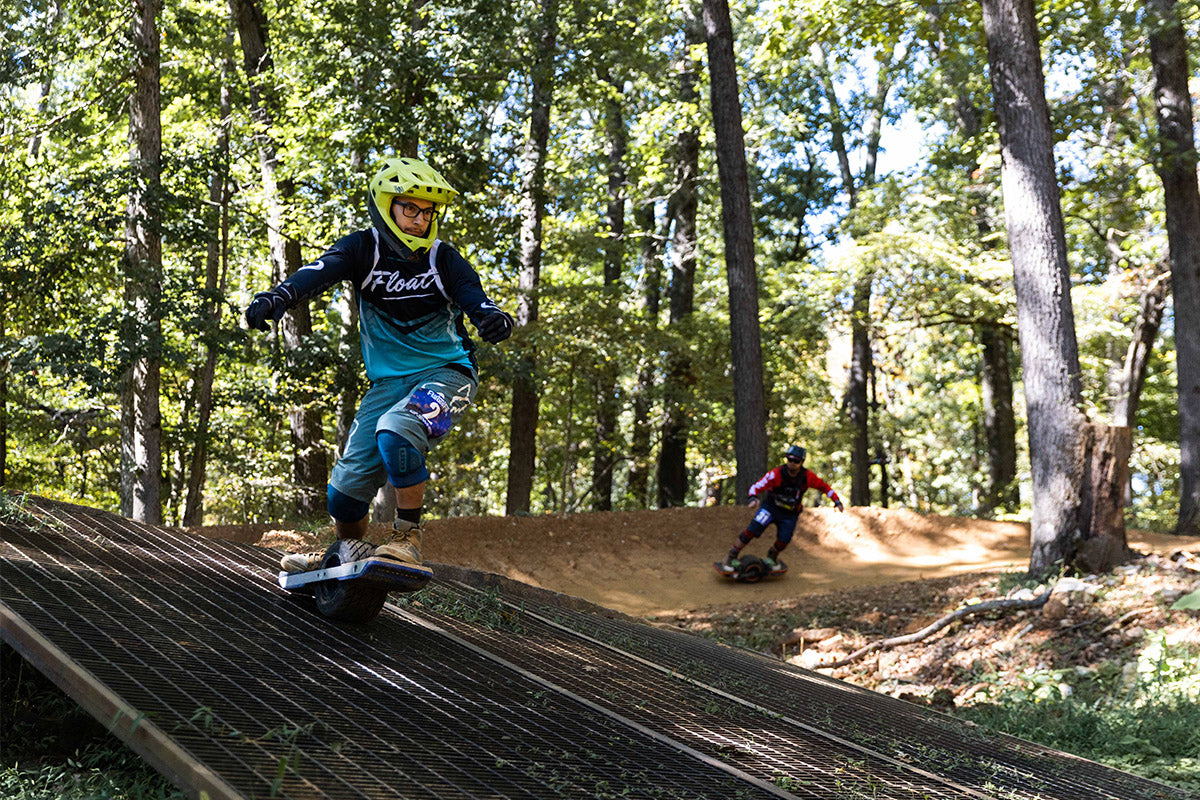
(412, 515)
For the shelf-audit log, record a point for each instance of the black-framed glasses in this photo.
(794, 460)
(412, 210)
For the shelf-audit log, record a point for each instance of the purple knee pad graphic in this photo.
(432, 409)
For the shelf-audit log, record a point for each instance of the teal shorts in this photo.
(422, 408)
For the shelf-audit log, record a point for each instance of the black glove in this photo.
(270, 305)
(494, 326)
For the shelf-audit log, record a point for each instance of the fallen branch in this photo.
(1121, 620)
(929, 630)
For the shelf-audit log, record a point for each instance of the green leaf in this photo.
(1188, 602)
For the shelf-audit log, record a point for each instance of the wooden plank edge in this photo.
(141, 735)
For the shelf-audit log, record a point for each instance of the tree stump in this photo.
(1102, 543)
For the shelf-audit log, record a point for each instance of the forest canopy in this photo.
(874, 167)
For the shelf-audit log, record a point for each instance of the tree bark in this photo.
(1177, 160)
(1127, 392)
(310, 469)
(639, 446)
(1102, 545)
(522, 448)
(999, 422)
(1058, 440)
(683, 208)
(141, 423)
(604, 458)
(837, 125)
(861, 368)
(749, 401)
(215, 265)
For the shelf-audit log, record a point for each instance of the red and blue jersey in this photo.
(781, 491)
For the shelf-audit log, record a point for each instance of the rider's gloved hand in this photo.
(494, 326)
(270, 305)
(838, 504)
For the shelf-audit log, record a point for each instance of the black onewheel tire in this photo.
(346, 601)
(752, 569)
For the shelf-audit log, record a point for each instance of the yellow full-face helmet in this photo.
(399, 176)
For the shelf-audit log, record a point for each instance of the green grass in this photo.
(51, 749)
(97, 771)
(1144, 718)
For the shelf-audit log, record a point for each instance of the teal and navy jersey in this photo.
(410, 313)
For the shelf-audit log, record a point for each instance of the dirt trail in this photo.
(650, 563)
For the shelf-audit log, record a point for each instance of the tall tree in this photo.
(1177, 159)
(522, 441)
(1126, 386)
(215, 263)
(639, 440)
(749, 400)
(862, 367)
(310, 468)
(995, 336)
(682, 209)
(604, 458)
(141, 421)
(999, 422)
(1064, 527)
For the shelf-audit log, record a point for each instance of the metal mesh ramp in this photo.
(233, 688)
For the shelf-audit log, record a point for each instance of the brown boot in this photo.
(301, 562)
(404, 545)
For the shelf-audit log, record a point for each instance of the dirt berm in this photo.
(655, 562)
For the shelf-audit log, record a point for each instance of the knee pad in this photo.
(343, 507)
(404, 463)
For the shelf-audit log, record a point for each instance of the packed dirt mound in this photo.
(660, 562)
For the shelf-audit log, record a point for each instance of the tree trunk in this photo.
(861, 369)
(683, 208)
(1102, 544)
(522, 447)
(837, 126)
(310, 469)
(1181, 194)
(639, 446)
(1058, 440)
(749, 401)
(215, 266)
(1127, 392)
(604, 458)
(999, 423)
(141, 423)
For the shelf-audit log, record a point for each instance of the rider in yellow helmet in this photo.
(413, 291)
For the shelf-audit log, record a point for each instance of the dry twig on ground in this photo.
(1007, 604)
